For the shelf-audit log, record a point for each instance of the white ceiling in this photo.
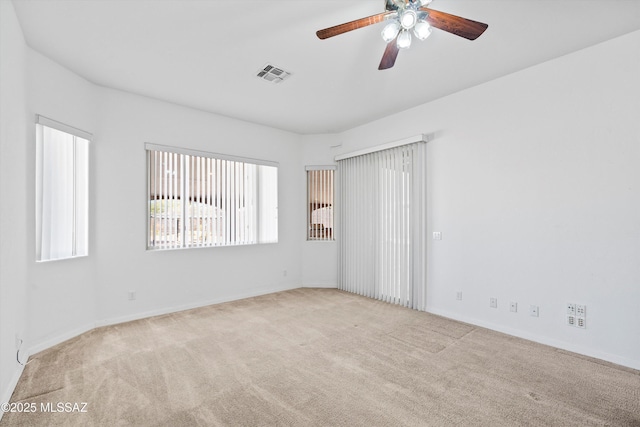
(205, 53)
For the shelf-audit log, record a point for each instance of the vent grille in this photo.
(273, 74)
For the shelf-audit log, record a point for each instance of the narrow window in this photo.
(62, 189)
(320, 202)
(199, 199)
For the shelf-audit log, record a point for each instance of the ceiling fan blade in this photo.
(453, 24)
(390, 55)
(350, 26)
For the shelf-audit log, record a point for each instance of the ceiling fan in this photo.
(404, 16)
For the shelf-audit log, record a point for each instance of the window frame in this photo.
(79, 234)
(266, 207)
(328, 184)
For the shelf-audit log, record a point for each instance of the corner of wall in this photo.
(13, 158)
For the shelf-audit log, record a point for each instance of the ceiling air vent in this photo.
(273, 74)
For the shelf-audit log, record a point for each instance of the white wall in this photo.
(71, 296)
(13, 197)
(167, 280)
(61, 293)
(319, 258)
(534, 182)
(46, 303)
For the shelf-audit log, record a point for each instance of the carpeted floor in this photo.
(318, 357)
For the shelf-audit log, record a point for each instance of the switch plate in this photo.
(132, 295)
(459, 295)
(493, 302)
(571, 309)
(534, 311)
(513, 306)
(437, 235)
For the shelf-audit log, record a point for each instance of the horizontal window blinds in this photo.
(382, 249)
(202, 201)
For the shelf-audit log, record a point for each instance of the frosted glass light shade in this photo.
(422, 30)
(404, 40)
(390, 31)
(408, 19)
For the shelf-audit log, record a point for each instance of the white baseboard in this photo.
(189, 306)
(50, 342)
(6, 394)
(323, 285)
(619, 360)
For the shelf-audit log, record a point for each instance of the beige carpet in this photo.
(319, 357)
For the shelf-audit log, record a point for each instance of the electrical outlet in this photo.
(437, 235)
(581, 316)
(132, 295)
(459, 295)
(534, 311)
(513, 306)
(284, 273)
(577, 315)
(493, 302)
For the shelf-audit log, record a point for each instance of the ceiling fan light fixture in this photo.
(408, 19)
(404, 17)
(422, 30)
(390, 31)
(404, 40)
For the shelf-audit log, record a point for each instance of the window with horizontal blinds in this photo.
(199, 199)
(320, 198)
(62, 190)
(382, 249)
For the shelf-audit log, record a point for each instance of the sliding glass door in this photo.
(383, 225)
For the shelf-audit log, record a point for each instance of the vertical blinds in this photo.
(320, 196)
(382, 249)
(197, 200)
(62, 191)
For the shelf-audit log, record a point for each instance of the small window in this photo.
(198, 199)
(62, 191)
(320, 202)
